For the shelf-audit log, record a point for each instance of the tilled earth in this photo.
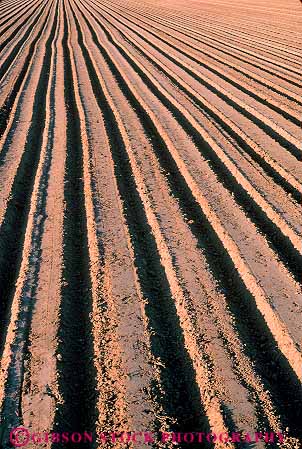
(150, 218)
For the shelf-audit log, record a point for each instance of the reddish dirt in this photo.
(150, 218)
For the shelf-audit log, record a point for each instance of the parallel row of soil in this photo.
(150, 218)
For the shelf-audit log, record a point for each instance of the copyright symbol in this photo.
(19, 437)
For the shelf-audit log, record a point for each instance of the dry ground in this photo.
(150, 216)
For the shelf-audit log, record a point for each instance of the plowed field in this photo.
(150, 218)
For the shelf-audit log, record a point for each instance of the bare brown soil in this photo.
(150, 218)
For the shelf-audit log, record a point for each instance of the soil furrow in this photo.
(17, 329)
(214, 56)
(14, 31)
(211, 42)
(217, 57)
(13, 86)
(13, 13)
(150, 223)
(135, 106)
(76, 370)
(158, 286)
(244, 270)
(15, 213)
(276, 171)
(290, 255)
(286, 138)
